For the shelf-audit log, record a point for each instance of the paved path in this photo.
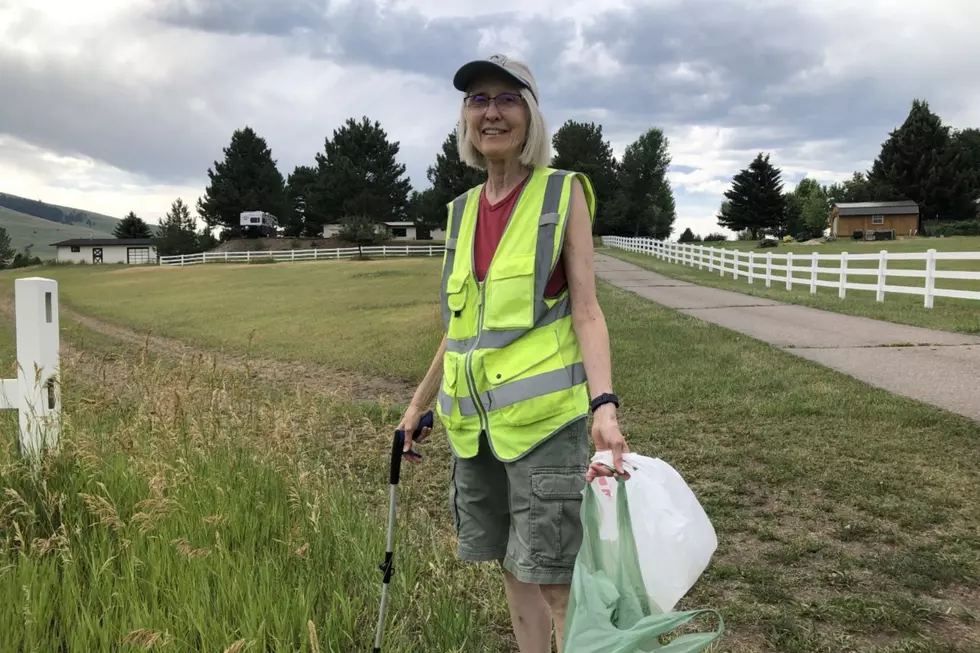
(936, 367)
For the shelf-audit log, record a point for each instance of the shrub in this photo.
(958, 228)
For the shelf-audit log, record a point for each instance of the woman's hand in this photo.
(607, 437)
(410, 422)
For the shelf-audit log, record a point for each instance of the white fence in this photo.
(805, 269)
(36, 392)
(302, 254)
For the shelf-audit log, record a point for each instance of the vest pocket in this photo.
(447, 404)
(529, 383)
(510, 294)
(456, 292)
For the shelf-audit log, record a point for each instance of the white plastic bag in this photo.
(674, 537)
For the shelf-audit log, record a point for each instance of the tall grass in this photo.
(189, 510)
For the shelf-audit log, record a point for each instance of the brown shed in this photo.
(848, 217)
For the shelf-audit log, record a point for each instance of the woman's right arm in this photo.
(424, 395)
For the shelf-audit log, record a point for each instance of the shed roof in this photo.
(904, 207)
(107, 242)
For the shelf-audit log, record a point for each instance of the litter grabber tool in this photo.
(387, 568)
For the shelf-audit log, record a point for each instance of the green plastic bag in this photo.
(608, 609)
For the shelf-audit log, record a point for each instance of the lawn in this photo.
(200, 508)
(947, 313)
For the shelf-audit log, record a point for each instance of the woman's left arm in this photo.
(578, 257)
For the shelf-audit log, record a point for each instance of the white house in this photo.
(394, 230)
(131, 251)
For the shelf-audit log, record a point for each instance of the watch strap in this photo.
(604, 398)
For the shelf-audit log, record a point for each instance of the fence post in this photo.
(814, 265)
(842, 291)
(930, 277)
(882, 267)
(751, 267)
(36, 392)
(768, 269)
(789, 270)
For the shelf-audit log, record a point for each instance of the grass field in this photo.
(948, 314)
(198, 509)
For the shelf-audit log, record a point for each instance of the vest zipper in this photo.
(470, 378)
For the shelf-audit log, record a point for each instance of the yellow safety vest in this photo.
(513, 366)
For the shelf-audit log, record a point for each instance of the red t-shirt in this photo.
(490, 222)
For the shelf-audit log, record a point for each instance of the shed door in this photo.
(96, 254)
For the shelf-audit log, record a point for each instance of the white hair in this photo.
(537, 146)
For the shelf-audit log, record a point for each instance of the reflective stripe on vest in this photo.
(513, 366)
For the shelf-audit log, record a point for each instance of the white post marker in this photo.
(36, 392)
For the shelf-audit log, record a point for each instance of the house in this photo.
(131, 251)
(394, 231)
(848, 217)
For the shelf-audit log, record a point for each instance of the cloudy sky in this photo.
(118, 105)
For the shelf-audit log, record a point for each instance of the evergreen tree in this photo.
(247, 180)
(449, 177)
(6, 249)
(643, 205)
(919, 161)
(855, 189)
(755, 200)
(358, 175)
(579, 146)
(687, 236)
(299, 219)
(177, 231)
(132, 226)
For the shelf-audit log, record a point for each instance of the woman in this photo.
(523, 333)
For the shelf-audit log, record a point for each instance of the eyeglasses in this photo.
(503, 101)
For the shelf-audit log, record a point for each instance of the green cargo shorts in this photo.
(525, 513)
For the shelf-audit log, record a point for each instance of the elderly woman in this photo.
(525, 356)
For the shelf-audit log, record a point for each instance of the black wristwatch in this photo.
(604, 398)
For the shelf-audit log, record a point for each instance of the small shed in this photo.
(848, 217)
(130, 251)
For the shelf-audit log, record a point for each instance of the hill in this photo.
(36, 223)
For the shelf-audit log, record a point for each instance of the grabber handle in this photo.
(399, 442)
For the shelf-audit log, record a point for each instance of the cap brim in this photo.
(467, 72)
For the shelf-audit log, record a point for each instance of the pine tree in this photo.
(449, 177)
(247, 180)
(177, 231)
(755, 200)
(132, 226)
(919, 161)
(6, 249)
(358, 175)
(643, 204)
(579, 146)
(299, 219)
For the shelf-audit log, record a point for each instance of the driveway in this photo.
(936, 367)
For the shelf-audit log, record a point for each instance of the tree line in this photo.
(923, 160)
(356, 180)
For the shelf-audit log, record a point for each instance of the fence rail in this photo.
(806, 269)
(36, 391)
(280, 256)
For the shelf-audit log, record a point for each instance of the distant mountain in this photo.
(36, 223)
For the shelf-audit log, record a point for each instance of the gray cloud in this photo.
(771, 77)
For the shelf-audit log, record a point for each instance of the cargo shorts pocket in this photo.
(555, 515)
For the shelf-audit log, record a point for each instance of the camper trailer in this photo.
(258, 224)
